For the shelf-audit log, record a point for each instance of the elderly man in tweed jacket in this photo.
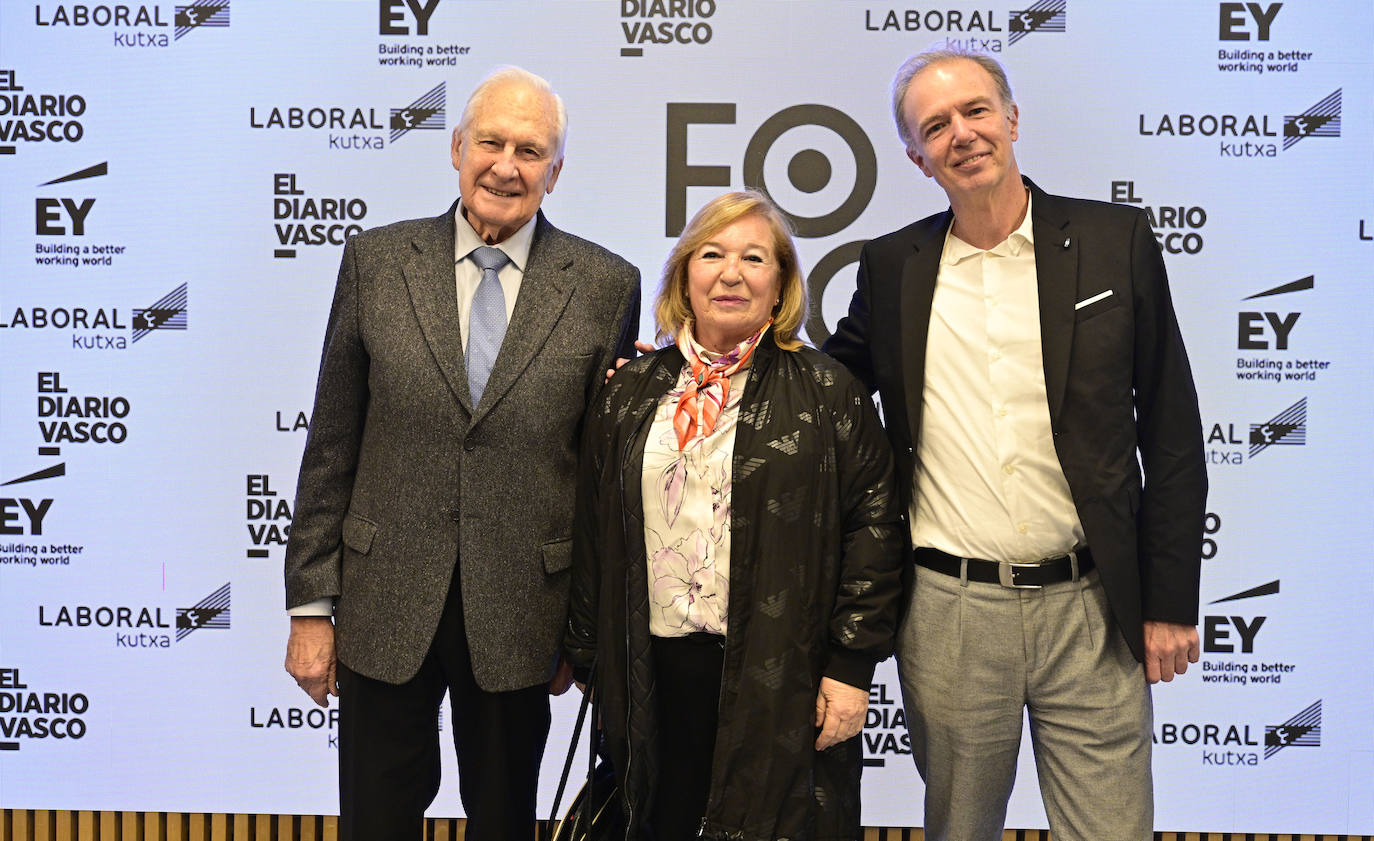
(434, 512)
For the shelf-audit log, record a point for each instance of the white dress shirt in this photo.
(988, 482)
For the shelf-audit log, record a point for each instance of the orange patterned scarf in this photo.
(709, 387)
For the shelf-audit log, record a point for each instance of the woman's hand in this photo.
(840, 711)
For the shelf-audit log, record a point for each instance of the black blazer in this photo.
(1120, 389)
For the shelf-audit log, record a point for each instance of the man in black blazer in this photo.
(433, 513)
(1031, 368)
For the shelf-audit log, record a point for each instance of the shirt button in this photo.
(1021, 528)
(996, 355)
(1002, 412)
(1008, 469)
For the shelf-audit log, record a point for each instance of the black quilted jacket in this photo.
(815, 585)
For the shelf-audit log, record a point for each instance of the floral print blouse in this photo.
(687, 516)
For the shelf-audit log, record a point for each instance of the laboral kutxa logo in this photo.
(355, 127)
(974, 30)
(1249, 135)
(94, 326)
(145, 25)
(1228, 445)
(1288, 427)
(1045, 16)
(140, 626)
(1238, 743)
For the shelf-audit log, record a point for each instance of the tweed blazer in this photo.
(403, 480)
(1120, 390)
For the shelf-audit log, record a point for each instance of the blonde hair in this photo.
(673, 306)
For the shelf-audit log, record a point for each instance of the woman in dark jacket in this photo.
(736, 554)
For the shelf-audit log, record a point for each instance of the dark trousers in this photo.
(389, 746)
(687, 684)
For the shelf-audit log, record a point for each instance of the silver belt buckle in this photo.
(1006, 575)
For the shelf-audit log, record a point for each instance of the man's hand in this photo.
(562, 678)
(1169, 648)
(840, 710)
(642, 347)
(310, 657)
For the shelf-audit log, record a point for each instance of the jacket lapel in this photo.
(1056, 271)
(544, 292)
(919, 274)
(429, 277)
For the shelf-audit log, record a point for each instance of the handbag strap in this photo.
(572, 752)
(588, 807)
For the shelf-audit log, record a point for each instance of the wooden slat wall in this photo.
(40, 825)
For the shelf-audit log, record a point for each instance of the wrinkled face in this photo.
(963, 130)
(507, 159)
(733, 283)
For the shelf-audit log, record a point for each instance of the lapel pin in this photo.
(1066, 242)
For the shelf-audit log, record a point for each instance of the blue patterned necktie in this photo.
(486, 321)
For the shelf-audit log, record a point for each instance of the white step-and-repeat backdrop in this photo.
(178, 181)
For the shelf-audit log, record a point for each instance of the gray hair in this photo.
(929, 58)
(511, 74)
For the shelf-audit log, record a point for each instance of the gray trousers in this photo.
(973, 656)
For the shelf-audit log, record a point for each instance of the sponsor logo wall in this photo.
(178, 181)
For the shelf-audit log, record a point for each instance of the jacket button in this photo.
(455, 515)
(469, 444)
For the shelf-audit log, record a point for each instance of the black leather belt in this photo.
(1009, 573)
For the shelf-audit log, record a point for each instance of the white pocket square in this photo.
(1094, 299)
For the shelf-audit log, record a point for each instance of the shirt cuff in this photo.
(319, 607)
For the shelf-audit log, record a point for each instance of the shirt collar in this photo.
(956, 250)
(516, 246)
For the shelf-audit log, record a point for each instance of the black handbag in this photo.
(595, 814)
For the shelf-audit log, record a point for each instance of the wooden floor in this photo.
(36, 825)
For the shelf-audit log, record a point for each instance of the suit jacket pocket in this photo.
(557, 555)
(564, 365)
(1096, 305)
(358, 533)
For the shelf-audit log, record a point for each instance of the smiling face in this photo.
(963, 130)
(507, 159)
(733, 283)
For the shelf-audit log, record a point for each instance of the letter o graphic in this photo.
(819, 278)
(865, 165)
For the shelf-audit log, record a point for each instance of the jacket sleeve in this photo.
(325, 484)
(864, 623)
(629, 322)
(1169, 434)
(621, 331)
(850, 341)
(579, 639)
